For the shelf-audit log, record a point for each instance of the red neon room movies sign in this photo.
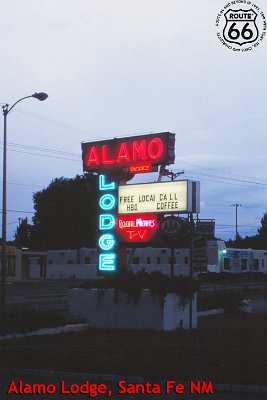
(137, 227)
(119, 153)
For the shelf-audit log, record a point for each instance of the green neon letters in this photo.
(107, 221)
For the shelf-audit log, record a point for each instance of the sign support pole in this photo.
(191, 221)
(172, 175)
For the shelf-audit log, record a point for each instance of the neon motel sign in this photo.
(137, 227)
(177, 197)
(137, 154)
(107, 257)
(116, 158)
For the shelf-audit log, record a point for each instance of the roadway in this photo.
(40, 295)
(52, 295)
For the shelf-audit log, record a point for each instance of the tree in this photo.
(257, 242)
(262, 232)
(23, 234)
(65, 214)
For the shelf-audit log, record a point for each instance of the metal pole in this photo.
(173, 176)
(236, 230)
(172, 261)
(172, 245)
(41, 96)
(236, 222)
(4, 258)
(191, 270)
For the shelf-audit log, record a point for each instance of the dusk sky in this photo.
(120, 68)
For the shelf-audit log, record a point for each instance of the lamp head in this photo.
(40, 96)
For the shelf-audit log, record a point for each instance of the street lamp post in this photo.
(6, 109)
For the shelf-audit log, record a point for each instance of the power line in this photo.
(12, 222)
(230, 179)
(19, 211)
(93, 136)
(225, 183)
(42, 155)
(23, 146)
(228, 173)
(22, 184)
(53, 121)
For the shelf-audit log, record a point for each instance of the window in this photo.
(87, 260)
(185, 260)
(148, 260)
(226, 264)
(158, 260)
(50, 262)
(262, 263)
(244, 264)
(11, 266)
(135, 260)
(256, 264)
(70, 262)
(170, 260)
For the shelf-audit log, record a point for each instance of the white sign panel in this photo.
(163, 197)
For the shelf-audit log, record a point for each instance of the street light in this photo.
(6, 109)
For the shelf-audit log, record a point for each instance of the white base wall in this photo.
(100, 309)
(176, 311)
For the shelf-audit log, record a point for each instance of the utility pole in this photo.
(236, 206)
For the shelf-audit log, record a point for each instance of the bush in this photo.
(230, 302)
(132, 284)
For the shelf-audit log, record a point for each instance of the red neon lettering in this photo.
(140, 153)
(132, 235)
(155, 148)
(123, 155)
(139, 150)
(140, 168)
(93, 157)
(137, 228)
(105, 159)
(141, 235)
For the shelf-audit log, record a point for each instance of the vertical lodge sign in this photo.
(117, 161)
(107, 257)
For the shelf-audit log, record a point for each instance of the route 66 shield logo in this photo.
(240, 27)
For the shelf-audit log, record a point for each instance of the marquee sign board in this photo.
(10, 250)
(205, 228)
(164, 197)
(199, 250)
(136, 154)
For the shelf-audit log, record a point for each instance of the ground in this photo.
(225, 349)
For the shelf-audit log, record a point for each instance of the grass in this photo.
(226, 349)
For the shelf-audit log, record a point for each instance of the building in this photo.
(24, 264)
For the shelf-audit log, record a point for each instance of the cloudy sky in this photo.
(121, 67)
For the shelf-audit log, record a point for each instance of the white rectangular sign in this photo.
(164, 197)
